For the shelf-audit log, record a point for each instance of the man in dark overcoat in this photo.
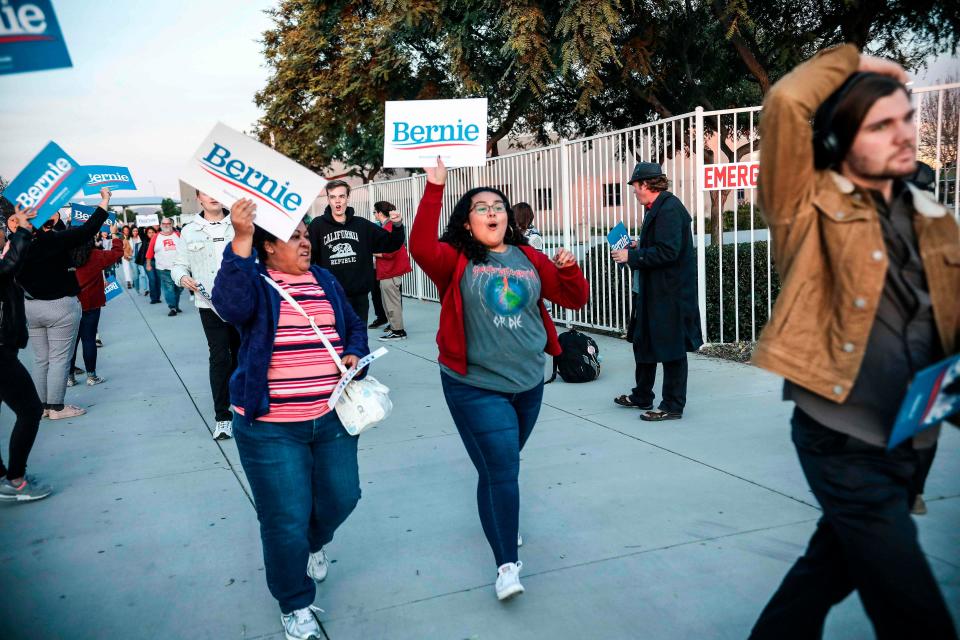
(666, 317)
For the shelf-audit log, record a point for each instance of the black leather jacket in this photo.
(13, 322)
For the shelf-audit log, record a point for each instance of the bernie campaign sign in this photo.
(47, 183)
(80, 213)
(111, 288)
(230, 166)
(102, 175)
(417, 131)
(30, 37)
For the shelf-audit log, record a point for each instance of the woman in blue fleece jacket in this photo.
(300, 461)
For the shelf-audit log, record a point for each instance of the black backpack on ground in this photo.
(579, 360)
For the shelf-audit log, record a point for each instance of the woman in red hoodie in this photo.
(92, 299)
(493, 333)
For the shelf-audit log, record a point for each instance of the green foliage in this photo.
(168, 208)
(740, 293)
(548, 68)
(743, 218)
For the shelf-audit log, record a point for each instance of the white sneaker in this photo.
(519, 540)
(223, 430)
(317, 566)
(302, 624)
(508, 581)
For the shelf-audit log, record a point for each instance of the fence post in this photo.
(412, 181)
(565, 199)
(701, 224)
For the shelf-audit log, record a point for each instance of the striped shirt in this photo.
(302, 374)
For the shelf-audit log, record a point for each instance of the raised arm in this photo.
(786, 136)
(234, 289)
(18, 243)
(437, 259)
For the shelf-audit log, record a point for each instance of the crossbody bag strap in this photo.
(296, 305)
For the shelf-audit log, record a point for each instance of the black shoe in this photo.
(377, 322)
(172, 313)
(154, 302)
(178, 310)
(393, 335)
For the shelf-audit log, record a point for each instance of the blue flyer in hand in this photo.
(933, 396)
(112, 288)
(618, 237)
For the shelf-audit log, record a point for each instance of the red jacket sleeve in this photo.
(153, 242)
(565, 287)
(101, 259)
(437, 259)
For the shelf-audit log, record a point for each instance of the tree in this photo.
(547, 68)
(947, 114)
(168, 208)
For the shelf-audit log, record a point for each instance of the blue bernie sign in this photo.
(30, 37)
(111, 288)
(103, 175)
(47, 183)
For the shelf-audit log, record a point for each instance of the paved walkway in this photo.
(632, 530)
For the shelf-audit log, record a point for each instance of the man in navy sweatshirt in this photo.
(344, 244)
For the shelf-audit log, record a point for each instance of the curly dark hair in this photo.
(457, 236)
(80, 255)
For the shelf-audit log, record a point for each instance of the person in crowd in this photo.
(493, 333)
(140, 282)
(665, 324)
(299, 460)
(525, 217)
(869, 297)
(128, 266)
(344, 244)
(163, 251)
(92, 262)
(379, 313)
(391, 268)
(52, 309)
(195, 268)
(149, 266)
(16, 387)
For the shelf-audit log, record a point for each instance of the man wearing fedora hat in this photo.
(666, 317)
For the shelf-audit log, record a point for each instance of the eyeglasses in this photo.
(484, 209)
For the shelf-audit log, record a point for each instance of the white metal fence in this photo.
(578, 191)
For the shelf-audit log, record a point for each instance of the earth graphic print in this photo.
(505, 292)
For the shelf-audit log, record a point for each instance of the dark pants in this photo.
(673, 391)
(17, 390)
(154, 279)
(865, 541)
(87, 337)
(223, 342)
(923, 470)
(305, 483)
(361, 305)
(379, 312)
(494, 427)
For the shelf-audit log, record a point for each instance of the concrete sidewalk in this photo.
(631, 529)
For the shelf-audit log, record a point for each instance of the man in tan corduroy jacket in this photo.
(870, 266)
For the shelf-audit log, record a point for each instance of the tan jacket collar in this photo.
(923, 202)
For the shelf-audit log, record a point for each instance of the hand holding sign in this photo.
(564, 259)
(437, 174)
(349, 361)
(23, 217)
(104, 197)
(242, 215)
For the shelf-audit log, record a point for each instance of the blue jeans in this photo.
(494, 426)
(153, 278)
(87, 338)
(305, 483)
(140, 281)
(171, 292)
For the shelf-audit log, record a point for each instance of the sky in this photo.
(149, 80)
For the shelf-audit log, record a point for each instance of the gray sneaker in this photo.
(29, 491)
(94, 380)
(302, 624)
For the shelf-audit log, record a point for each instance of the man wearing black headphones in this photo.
(870, 266)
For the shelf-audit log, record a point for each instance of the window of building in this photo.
(611, 194)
